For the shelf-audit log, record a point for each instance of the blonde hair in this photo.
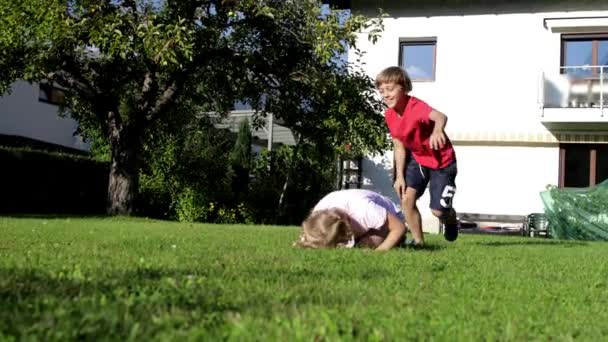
(396, 75)
(325, 229)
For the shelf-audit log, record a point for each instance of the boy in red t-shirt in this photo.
(417, 127)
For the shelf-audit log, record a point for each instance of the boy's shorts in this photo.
(443, 183)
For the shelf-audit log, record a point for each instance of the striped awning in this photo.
(599, 137)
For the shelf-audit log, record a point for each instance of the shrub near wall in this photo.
(312, 176)
(40, 182)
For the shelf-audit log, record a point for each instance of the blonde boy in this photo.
(417, 127)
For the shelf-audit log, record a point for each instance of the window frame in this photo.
(595, 38)
(421, 41)
(347, 173)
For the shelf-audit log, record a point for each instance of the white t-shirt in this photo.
(369, 209)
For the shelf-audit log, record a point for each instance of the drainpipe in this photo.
(270, 137)
(602, 91)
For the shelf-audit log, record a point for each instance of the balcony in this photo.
(578, 94)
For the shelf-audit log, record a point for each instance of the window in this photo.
(583, 165)
(584, 61)
(583, 53)
(417, 57)
(576, 166)
(601, 164)
(51, 94)
(241, 105)
(350, 173)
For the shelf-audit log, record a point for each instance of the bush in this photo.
(49, 182)
(191, 207)
(311, 176)
(183, 174)
(192, 177)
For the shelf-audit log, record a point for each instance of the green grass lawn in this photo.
(120, 279)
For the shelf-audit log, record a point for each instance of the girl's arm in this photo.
(396, 230)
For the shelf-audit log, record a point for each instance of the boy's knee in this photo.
(409, 202)
(445, 215)
(441, 214)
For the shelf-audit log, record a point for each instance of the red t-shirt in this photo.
(413, 128)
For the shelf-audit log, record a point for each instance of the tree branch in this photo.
(65, 79)
(70, 77)
(162, 101)
(147, 90)
(113, 124)
(130, 4)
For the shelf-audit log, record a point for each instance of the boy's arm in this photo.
(437, 139)
(399, 156)
(396, 231)
(440, 120)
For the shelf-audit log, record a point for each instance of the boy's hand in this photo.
(400, 186)
(437, 140)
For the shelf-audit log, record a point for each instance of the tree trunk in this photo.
(290, 172)
(282, 197)
(124, 177)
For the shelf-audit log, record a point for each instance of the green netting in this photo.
(577, 213)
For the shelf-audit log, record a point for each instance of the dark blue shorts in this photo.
(442, 183)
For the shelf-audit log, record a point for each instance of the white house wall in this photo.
(487, 81)
(21, 114)
(504, 179)
(499, 180)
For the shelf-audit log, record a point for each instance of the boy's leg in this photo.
(443, 188)
(412, 215)
(416, 178)
(450, 223)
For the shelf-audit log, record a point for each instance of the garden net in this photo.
(577, 213)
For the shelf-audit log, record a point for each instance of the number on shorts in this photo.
(447, 195)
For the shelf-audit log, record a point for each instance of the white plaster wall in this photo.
(504, 179)
(491, 180)
(22, 114)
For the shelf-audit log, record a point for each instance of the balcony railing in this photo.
(575, 87)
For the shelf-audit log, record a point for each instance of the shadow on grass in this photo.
(100, 217)
(184, 289)
(21, 285)
(95, 302)
(54, 216)
(425, 248)
(535, 242)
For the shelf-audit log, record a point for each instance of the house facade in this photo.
(31, 111)
(524, 87)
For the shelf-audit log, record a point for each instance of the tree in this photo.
(324, 100)
(124, 63)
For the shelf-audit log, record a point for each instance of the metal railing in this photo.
(575, 87)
